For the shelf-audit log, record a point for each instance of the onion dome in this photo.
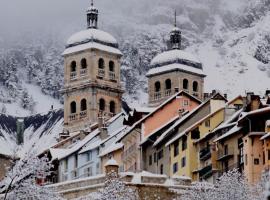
(175, 59)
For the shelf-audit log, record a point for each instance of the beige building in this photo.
(174, 70)
(92, 76)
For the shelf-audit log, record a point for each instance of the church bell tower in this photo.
(92, 87)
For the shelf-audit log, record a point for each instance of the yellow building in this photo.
(184, 151)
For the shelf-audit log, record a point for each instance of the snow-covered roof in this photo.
(254, 112)
(267, 135)
(193, 126)
(111, 162)
(175, 67)
(90, 35)
(79, 145)
(235, 129)
(91, 45)
(98, 143)
(113, 147)
(181, 120)
(174, 55)
(57, 153)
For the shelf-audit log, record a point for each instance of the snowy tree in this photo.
(27, 101)
(230, 186)
(115, 189)
(3, 109)
(21, 180)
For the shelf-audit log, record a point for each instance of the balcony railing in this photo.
(73, 117)
(83, 72)
(222, 155)
(73, 75)
(157, 95)
(101, 73)
(168, 92)
(112, 76)
(83, 114)
(205, 172)
(205, 154)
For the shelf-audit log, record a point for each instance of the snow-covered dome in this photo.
(94, 35)
(174, 56)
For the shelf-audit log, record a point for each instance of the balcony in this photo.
(101, 73)
(225, 155)
(157, 95)
(83, 72)
(73, 75)
(73, 117)
(205, 154)
(112, 76)
(206, 172)
(168, 92)
(83, 114)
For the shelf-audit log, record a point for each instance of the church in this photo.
(92, 62)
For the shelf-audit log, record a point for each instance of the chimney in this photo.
(225, 96)
(102, 127)
(176, 89)
(214, 92)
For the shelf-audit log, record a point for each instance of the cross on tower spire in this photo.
(175, 24)
(175, 35)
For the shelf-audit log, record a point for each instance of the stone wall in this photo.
(149, 187)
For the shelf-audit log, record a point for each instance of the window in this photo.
(176, 149)
(76, 161)
(226, 150)
(155, 157)
(101, 63)
(73, 107)
(150, 160)
(195, 86)
(183, 162)
(157, 86)
(207, 123)
(112, 107)
(185, 102)
(89, 156)
(238, 106)
(195, 134)
(83, 105)
(111, 66)
(66, 164)
(185, 84)
(83, 63)
(89, 171)
(101, 105)
(256, 161)
(73, 66)
(184, 142)
(168, 84)
(246, 159)
(160, 154)
(175, 167)
(161, 169)
(97, 167)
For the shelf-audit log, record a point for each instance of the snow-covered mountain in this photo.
(231, 38)
(40, 132)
